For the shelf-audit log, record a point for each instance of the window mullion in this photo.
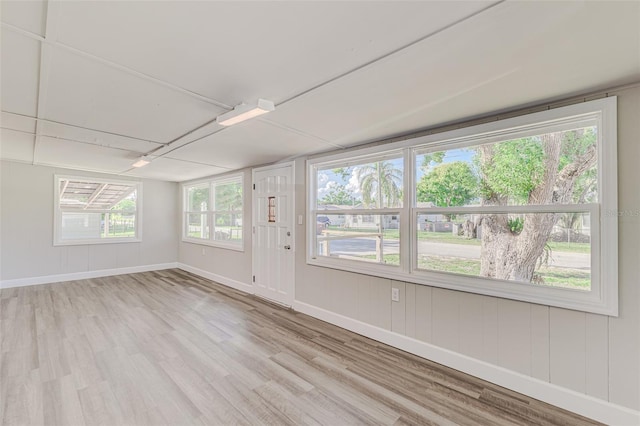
(408, 195)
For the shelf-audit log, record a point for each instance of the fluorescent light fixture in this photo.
(244, 112)
(142, 161)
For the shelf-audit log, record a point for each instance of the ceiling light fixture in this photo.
(142, 161)
(244, 112)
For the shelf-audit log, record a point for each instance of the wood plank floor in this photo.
(171, 348)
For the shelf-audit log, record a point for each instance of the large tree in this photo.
(548, 169)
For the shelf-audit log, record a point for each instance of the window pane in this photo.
(82, 226)
(228, 196)
(198, 198)
(197, 225)
(89, 225)
(551, 168)
(376, 184)
(119, 225)
(552, 249)
(96, 210)
(87, 195)
(128, 203)
(369, 238)
(228, 227)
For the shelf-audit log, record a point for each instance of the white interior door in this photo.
(273, 226)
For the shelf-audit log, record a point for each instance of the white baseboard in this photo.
(567, 399)
(47, 279)
(238, 285)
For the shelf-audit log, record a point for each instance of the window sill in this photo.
(100, 241)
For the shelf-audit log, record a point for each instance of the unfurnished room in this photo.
(320, 213)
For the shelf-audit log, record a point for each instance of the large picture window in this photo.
(93, 211)
(512, 208)
(212, 212)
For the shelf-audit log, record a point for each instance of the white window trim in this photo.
(57, 212)
(211, 213)
(603, 297)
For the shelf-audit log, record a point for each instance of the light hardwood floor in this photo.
(171, 348)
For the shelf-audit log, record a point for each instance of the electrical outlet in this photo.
(395, 294)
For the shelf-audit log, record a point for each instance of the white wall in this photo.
(592, 354)
(26, 223)
(230, 267)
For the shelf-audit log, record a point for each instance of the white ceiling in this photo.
(94, 85)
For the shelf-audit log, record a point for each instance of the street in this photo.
(367, 246)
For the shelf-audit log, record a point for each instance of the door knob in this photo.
(287, 247)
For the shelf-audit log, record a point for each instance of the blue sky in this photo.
(327, 179)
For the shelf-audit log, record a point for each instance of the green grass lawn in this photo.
(554, 277)
(447, 237)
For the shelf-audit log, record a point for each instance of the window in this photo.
(213, 212)
(356, 208)
(512, 208)
(93, 211)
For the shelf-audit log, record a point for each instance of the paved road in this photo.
(368, 246)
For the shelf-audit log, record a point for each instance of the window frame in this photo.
(58, 212)
(364, 156)
(211, 213)
(602, 298)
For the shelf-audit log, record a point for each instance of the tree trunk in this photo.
(495, 239)
(537, 227)
(496, 250)
(509, 256)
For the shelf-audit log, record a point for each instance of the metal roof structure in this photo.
(87, 195)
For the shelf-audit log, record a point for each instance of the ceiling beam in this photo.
(95, 195)
(64, 187)
(57, 44)
(46, 57)
(44, 120)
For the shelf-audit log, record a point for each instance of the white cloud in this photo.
(323, 178)
(354, 185)
(326, 188)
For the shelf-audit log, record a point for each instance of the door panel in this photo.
(273, 233)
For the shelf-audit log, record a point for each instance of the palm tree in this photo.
(380, 184)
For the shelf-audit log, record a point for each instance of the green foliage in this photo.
(516, 225)
(128, 204)
(576, 143)
(343, 172)
(448, 185)
(228, 197)
(338, 195)
(223, 220)
(430, 159)
(198, 198)
(380, 184)
(516, 169)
